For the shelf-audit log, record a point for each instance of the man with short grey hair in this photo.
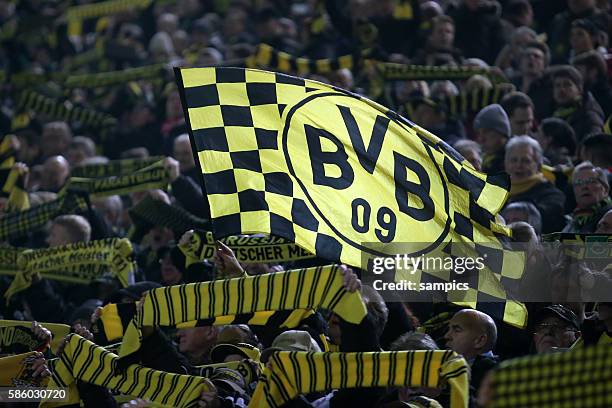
(591, 190)
(523, 162)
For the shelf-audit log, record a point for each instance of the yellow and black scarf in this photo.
(290, 374)
(582, 377)
(311, 288)
(248, 249)
(17, 224)
(81, 262)
(150, 177)
(83, 360)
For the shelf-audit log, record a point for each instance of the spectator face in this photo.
(604, 226)
(521, 121)
(75, 156)
(55, 173)
(443, 35)
(55, 139)
(58, 236)
(533, 62)
(580, 40)
(565, 91)
(463, 335)
(170, 274)
(182, 153)
(514, 216)
(588, 189)
(490, 140)
(553, 332)
(473, 156)
(521, 163)
(196, 341)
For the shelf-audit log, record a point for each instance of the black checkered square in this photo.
(327, 247)
(261, 93)
(205, 95)
(302, 216)
(248, 160)
(227, 225)
(211, 139)
(266, 139)
(289, 80)
(222, 182)
(226, 75)
(278, 183)
(464, 226)
(282, 227)
(480, 215)
(236, 116)
(252, 200)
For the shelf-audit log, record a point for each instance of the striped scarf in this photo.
(80, 262)
(290, 374)
(580, 378)
(266, 56)
(248, 249)
(83, 360)
(311, 288)
(151, 177)
(116, 317)
(114, 167)
(18, 224)
(41, 104)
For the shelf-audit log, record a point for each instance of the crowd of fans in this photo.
(550, 133)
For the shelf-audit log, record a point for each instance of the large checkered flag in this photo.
(334, 172)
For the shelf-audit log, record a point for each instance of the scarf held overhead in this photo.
(311, 288)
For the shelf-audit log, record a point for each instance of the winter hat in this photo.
(493, 117)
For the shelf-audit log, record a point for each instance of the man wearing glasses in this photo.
(591, 190)
(556, 328)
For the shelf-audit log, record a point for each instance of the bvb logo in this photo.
(367, 176)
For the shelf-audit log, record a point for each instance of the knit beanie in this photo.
(493, 117)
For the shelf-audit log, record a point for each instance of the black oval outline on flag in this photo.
(286, 126)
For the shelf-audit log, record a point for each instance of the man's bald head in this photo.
(470, 333)
(55, 173)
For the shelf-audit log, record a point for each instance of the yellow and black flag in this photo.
(332, 171)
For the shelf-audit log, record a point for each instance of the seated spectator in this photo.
(196, 343)
(558, 141)
(471, 151)
(523, 162)
(439, 41)
(597, 149)
(432, 114)
(592, 67)
(54, 174)
(509, 57)
(575, 106)
(80, 148)
(591, 189)
(473, 334)
(532, 78)
(482, 40)
(583, 37)
(56, 137)
(183, 154)
(493, 130)
(68, 229)
(523, 211)
(556, 328)
(519, 108)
